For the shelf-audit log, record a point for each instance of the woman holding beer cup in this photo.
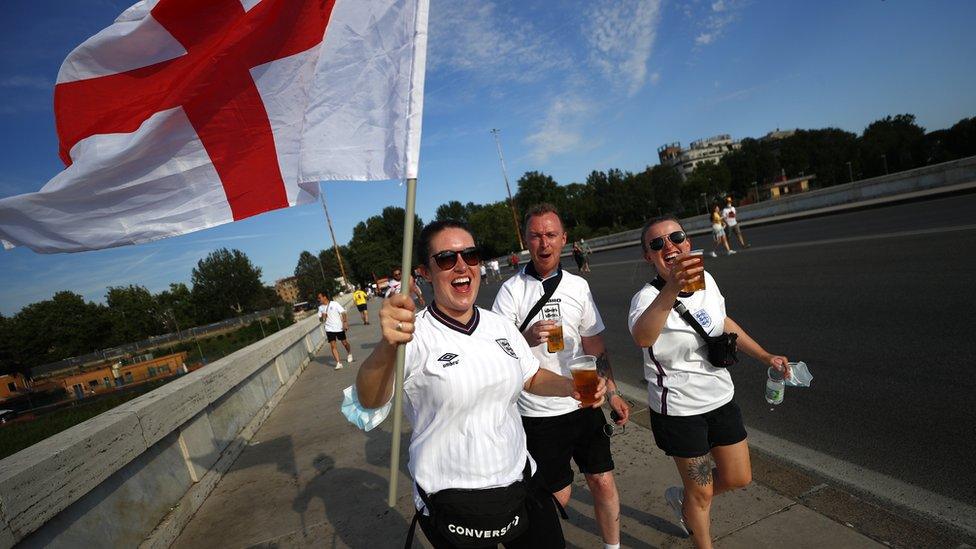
(694, 417)
(463, 373)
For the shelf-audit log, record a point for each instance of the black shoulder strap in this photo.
(416, 516)
(549, 287)
(683, 311)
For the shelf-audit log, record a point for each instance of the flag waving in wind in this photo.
(186, 114)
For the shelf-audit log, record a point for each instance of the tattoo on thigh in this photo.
(700, 470)
(603, 364)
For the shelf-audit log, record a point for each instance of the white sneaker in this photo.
(675, 497)
(349, 358)
(712, 254)
(338, 366)
(732, 252)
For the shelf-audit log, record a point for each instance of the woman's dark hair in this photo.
(427, 234)
(654, 221)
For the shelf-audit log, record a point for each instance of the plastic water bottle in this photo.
(775, 388)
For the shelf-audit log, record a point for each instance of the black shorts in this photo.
(361, 307)
(579, 435)
(545, 531)
(332, 336)
(694, 436)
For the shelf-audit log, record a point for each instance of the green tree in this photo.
(58, 328)
(134, 312)
(493, 229)
(666, 185)
(176, 307)
(312, 277)
(456, 210)
(534, 188)
(712, 180)
(894, 140)
(225, 283)
(376, 244)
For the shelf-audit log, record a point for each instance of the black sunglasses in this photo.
(448, 258)
(657, 244)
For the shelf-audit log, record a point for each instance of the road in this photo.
(876, 303)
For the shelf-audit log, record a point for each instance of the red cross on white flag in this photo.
(186, 114)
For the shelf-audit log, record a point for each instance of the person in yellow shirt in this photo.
(359, 298)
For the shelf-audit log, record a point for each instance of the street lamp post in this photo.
(884, 158)
(850, 172)
(704, 202)
(755, 186)
(511, 203)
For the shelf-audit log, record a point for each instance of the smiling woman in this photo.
(464, 370)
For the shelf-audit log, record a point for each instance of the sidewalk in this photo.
(310, 479)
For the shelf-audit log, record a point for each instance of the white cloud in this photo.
(716, 19)
(562, 130)
(621, 38)
(475, 38)
(23, 81)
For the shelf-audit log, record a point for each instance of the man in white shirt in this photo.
(394, 287)
(557, 430)
(336, 324)
(729, 216)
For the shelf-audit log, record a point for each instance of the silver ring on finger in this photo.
(399, 326)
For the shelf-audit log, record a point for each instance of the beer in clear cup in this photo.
(555, 342)
(697, 283)
(585, 378)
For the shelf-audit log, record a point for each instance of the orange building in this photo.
(12, 386)
(107, 378)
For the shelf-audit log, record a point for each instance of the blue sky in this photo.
(574, 87)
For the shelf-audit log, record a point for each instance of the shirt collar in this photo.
(466, 329)
(530, 271)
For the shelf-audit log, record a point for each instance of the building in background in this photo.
(105, 378)
(12, 386)
(709, 150)
(287, 289)
(783, 187)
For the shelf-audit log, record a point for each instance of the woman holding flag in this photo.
(463, 373)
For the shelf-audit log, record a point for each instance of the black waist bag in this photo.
(478, 518)
(722, 350)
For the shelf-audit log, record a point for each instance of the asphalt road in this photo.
(877, 303)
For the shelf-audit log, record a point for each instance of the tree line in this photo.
(224, 284)
(614, 200)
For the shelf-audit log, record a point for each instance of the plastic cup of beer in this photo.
(697, 283)
(555, 343)
(585, 378)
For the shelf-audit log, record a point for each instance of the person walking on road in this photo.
(729, 216)
(694, 417)
(394, 287)
(586, 255)
(513, 261)
(578, 256)
(557, 429)
(465, 367)
(718, 233)
(360, 298)
(336, 324)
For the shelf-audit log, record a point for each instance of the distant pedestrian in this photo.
(586, 255)
(336, 324)
(484, 272)
(394, 286)
(578, 256)
(729, 216)
(360, 298)
(496, 271)
(513, 261)
(718, 233)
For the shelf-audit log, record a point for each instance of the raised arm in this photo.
(374, 382)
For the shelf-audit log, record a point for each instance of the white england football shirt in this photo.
(680, 380)
(573, 302)
(728, 214)
(461, 384)
(333, 319)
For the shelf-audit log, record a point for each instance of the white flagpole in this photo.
(406, 269)
(412, 158)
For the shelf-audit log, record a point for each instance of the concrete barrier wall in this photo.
(947, 174)
(128, 477)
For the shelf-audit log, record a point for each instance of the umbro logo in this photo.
(448, 359)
